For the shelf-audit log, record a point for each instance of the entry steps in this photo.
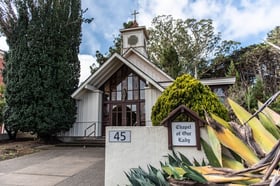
(82, 142)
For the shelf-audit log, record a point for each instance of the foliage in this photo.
(193, 40)
(179, 46)
(139, 177)
(221, 64)
(230, 148)
(169, 61)
(257, 66)
(2, 102)
(254, 93)
(274, 36)
(276, 105)
(190, 92)
(210, 154)
(231, 71)
(184, 172)
(116, 48)
(42, 67)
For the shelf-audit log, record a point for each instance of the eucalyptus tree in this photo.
(195, 41)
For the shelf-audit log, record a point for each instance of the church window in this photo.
(124, 95)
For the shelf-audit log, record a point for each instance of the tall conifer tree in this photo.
(42, 66)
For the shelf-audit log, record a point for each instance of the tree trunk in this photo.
(11, 133)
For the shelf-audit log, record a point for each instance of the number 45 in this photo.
(120, 136)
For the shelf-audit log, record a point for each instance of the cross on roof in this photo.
(134, 14)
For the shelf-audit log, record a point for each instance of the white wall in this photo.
(152, 71)
(88, 112)
(148, 145)
(151, 96)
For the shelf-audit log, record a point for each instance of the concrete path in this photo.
(59, 166)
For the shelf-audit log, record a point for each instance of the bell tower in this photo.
(134, 37)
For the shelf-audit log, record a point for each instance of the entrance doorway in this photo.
(124, 114)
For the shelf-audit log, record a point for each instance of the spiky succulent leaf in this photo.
(263, 138)
(170, 170)
(232, 163)
(196, 163)
(221, 121)
(172, 161)
(271, 113)
(194, 175)
(175, 157)
(218, 178)
(185, 160)
(215, 145)
(176, 173)
(267, 122)
(213, 160)
(153, 177)
(231, 141)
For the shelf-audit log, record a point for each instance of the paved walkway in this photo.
(59, 166)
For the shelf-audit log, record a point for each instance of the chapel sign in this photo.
(183, 133)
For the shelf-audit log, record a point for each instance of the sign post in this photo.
(183, 133)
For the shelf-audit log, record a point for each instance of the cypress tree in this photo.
(42, 67)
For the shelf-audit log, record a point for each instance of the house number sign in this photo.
(120, 136)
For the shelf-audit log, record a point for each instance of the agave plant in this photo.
(244, 152)
(251, 142)
(139, 177)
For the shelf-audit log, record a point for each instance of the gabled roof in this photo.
(185, 110)
(135, 61)
(155, 72)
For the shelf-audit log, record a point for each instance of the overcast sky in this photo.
(246, 21)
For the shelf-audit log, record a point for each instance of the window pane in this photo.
(135, 82)
(142, 94)
(136, 94)
(119, 87)
(124, 83)
(119, 96)
(114, 96)
(142, 84)
(129, 85)
(129, 95)
(133, 107)
(124, 90)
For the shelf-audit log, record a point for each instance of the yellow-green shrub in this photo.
(190, 92)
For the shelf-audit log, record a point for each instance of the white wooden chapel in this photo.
(124, 89)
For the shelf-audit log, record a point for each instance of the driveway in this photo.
(59, 166)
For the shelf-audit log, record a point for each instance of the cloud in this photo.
(240, 20)
(86, 61)
(109, 16)
(3, 44)
(252, 18)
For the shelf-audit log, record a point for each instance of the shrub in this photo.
(190, 92)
